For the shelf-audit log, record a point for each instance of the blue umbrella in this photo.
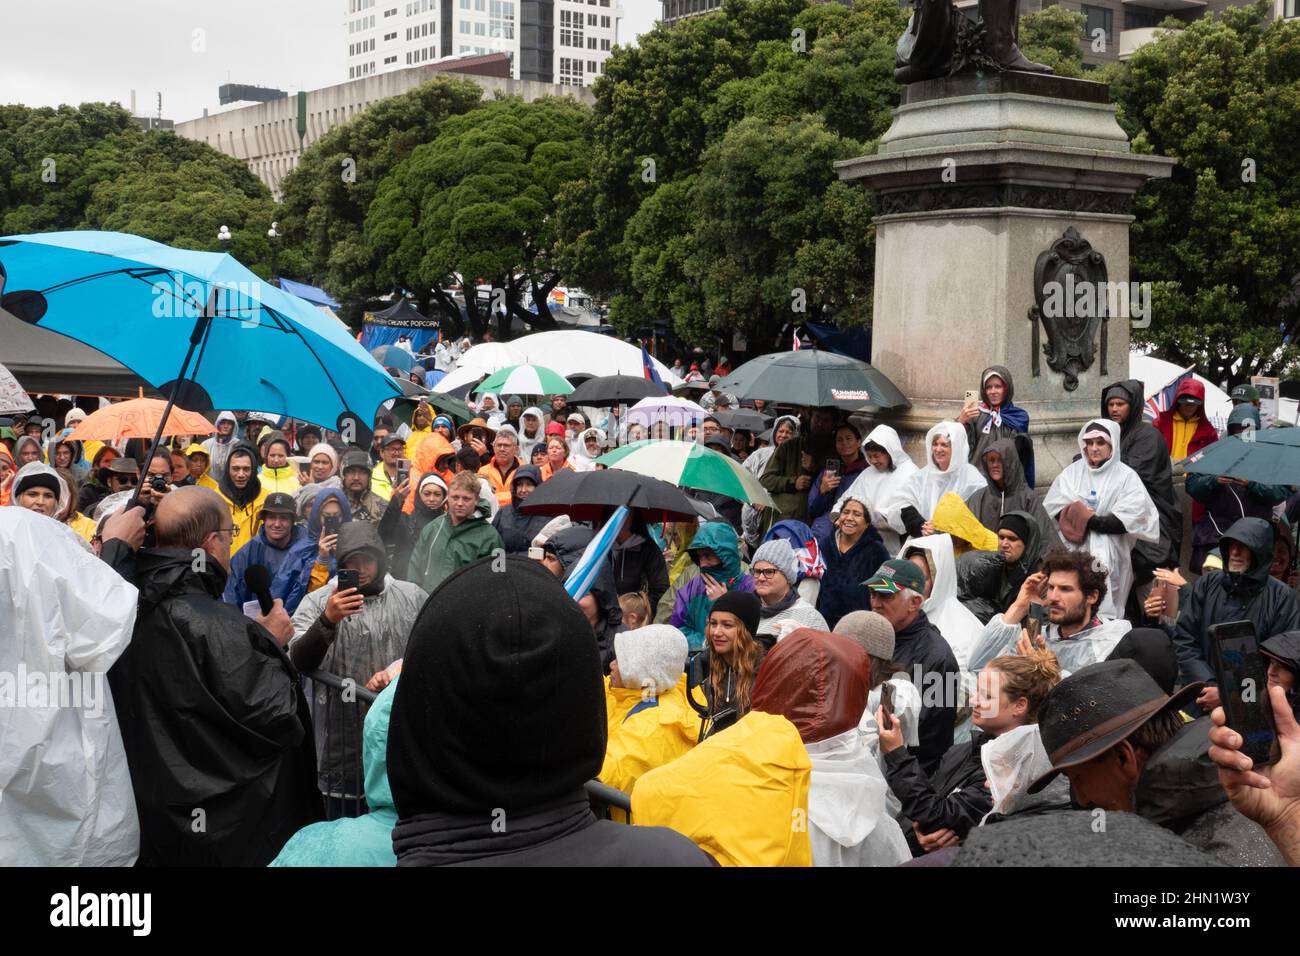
(198, 326)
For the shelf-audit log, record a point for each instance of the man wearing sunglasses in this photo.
(123, 474)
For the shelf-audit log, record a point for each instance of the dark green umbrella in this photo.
(1271, 456)
(440, 402)
(814, 378)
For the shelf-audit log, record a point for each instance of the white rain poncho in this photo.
(1113, 489)
(65, 617)
(579, 458)
(1012, 761)
(1089, 646)
(877, 489)
(907, 711)
(62, 500)
(960, 628)
(927, 485)
(526, 442)
(849, 823)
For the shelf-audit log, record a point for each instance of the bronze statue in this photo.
(940, 41)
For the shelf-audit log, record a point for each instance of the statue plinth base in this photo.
(976, 176)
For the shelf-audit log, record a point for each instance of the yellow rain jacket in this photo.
(280, 479)
(245, 519)
(82, 525)
(741, 795)
(951, 516)
(644, 734)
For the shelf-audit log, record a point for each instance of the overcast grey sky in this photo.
(75, 51)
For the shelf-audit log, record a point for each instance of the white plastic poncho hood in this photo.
(1012, 761)
(527, 441)
(40, 468)
(847, 806)
(959, 626)
(1113, 489)
(578, 456)
(923, 489)
(876, 489)
(66, 616)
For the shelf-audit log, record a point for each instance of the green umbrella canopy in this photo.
(1271, 456)
(689, 465)
(525, 380)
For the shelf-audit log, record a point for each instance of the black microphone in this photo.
(258, 580)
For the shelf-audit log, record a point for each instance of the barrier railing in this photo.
(338, 729)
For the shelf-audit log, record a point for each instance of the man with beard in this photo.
(1073, 583)
(365, 504)
(214, 722)
(269, 548)
(243, 493)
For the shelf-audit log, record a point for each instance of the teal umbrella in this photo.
(1271, 456)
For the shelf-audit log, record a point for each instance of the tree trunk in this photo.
(450, 313)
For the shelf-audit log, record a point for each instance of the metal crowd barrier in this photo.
(351, 720)
(605, 799)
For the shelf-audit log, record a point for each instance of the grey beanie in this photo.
(651, 658)
(870, 631)
(778, 552)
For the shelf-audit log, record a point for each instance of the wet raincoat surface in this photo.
(219, 449)
(1114, 491)
(213, 718)
(444, 547)
(1221, 596)
(991, 502)
(922, 491)
(1088, 646)
(959, 627)
(735, 794)
(876, 489)
(646, 732)
(987, 584)
(263, 552)
(360, 646)
(953, 797)
(67, 797)
(691, 605)
(366, 840)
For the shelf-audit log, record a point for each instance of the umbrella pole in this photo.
(197, 336)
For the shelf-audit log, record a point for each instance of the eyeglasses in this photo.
(129, 480)
(764, 572)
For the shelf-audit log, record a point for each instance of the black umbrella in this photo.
(814, 378)
(691, 390)
(614, 390)
(745, 419)
(590, 495)
(453, 408)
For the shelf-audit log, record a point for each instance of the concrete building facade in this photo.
(265, 135)
(549, 41)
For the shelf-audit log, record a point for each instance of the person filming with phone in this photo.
(354, 629)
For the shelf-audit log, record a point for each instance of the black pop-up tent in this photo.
(48, 363)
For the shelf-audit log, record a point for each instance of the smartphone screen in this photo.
(348, 578)
(1032, 627)
(330, 524)
(887, 704)
(1242, 673)
(832, 466)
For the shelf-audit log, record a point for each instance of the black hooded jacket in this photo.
(502, 785)
(517, 529)
(214, 722)
(400, 531)
(1222, 596)
(987, 584)
(927, 657)
(990, 503)
(248, 495)
(639, 566)
(1143, 448)
(955, 797)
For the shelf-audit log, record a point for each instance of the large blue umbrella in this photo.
(198, 326)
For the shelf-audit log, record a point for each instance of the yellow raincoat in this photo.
(741, 795)
(644, 735)
(283, 480)
(82, 525)
(245, 519)
(951, 516)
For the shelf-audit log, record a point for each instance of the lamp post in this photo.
(273, 235)
(223, 234)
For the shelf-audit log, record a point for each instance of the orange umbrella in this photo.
(139, 418)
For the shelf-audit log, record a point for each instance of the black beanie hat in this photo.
(745, 605)
(501, 702)
(1154, 651)
(1016, 524)
(37, 479)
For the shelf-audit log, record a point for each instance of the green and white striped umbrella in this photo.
(689, 465)
(525, 380)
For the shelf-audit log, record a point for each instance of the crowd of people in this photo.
(318, 653)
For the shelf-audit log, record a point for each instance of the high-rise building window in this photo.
(1289, 9)
(1097, 18)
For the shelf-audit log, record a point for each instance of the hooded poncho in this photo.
(1114, 489)
(923, 489)
(959, 627)
(875, 489)
(1005, 421)
(991, 502)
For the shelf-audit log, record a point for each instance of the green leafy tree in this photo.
(327, 196)
(1051, 37)
(1218, 240)
(479, 203)
(663, 105)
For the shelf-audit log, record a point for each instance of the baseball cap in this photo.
(393, 438)
(279, 503)
(196, 449)
(356, 459)
(895, 575)
(1245, 393)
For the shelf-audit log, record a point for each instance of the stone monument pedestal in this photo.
(975, 178)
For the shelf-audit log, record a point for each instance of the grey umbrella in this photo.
(814, 378)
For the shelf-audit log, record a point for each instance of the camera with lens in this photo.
(158, 483)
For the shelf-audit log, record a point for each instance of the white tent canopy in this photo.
(576, 352)
(1156, 373)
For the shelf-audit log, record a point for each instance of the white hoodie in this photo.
(526, 441)
(875, 489)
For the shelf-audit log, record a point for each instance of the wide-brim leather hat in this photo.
(1095, 708)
